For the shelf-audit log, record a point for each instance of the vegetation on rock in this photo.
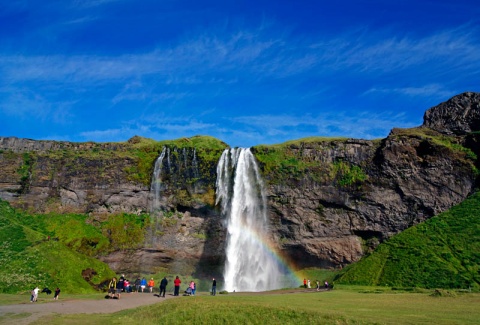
(53, 250)
(300, 159)
(145, 151)
(442, 252)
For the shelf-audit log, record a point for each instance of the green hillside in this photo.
(443, 252)
(29, 257)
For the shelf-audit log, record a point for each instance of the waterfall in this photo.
(156, 184)
(173, 168)
(196, 173)
(250, 263)
(185, 157)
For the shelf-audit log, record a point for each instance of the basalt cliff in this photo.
(330, 200)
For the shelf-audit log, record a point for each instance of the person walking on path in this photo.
(176, 284)
(151, 284)
(34, 296)
(305, 283)
(214, 287)
(143, 283)
(163, 287)
(137, 285)
(120, 286)
(57, 293)
(112, 287)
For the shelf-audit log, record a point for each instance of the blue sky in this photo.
(246, 72)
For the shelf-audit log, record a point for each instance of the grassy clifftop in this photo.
(145, 151)
(443, 252)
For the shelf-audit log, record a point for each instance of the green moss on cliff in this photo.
(437, 138)
(145, 151)
(347, 175)
(302, 159)
(25, 171)
(138, 155)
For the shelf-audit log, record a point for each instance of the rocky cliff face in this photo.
(352, 195)
(458, 116)
(37, 181)
(408, 179)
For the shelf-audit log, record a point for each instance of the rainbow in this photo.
(291, 277)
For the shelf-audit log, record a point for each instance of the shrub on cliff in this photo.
(443, 252)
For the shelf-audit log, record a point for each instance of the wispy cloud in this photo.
(220, 70)
(247, 53)
(154, 126)
(427, 90)
(365, 125)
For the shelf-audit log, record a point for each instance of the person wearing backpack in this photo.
(112, 286)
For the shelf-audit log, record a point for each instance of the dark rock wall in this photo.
(459, 115)
(409, 180)
(411, 176)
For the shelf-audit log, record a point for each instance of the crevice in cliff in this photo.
(334, 205)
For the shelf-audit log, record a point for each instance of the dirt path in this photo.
(28, 313)
(33, 311)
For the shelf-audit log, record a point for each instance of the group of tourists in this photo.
(116, 287)
(307, 284)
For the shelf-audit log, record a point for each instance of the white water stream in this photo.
(156, 184)
(251, 265)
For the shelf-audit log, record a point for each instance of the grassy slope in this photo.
(443, 252)
(28, 259)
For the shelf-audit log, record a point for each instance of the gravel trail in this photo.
(33, 311)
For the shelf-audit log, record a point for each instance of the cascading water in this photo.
(250, 264)
(178, 169)
(156, 184)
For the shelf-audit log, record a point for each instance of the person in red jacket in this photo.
(176, 283)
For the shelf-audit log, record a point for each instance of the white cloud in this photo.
(424, 91)
(365, 125)
(255, 56)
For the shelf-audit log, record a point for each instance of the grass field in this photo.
(345, 305)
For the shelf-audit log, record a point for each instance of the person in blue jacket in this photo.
(143, 283)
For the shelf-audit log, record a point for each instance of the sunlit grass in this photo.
(349, 305)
